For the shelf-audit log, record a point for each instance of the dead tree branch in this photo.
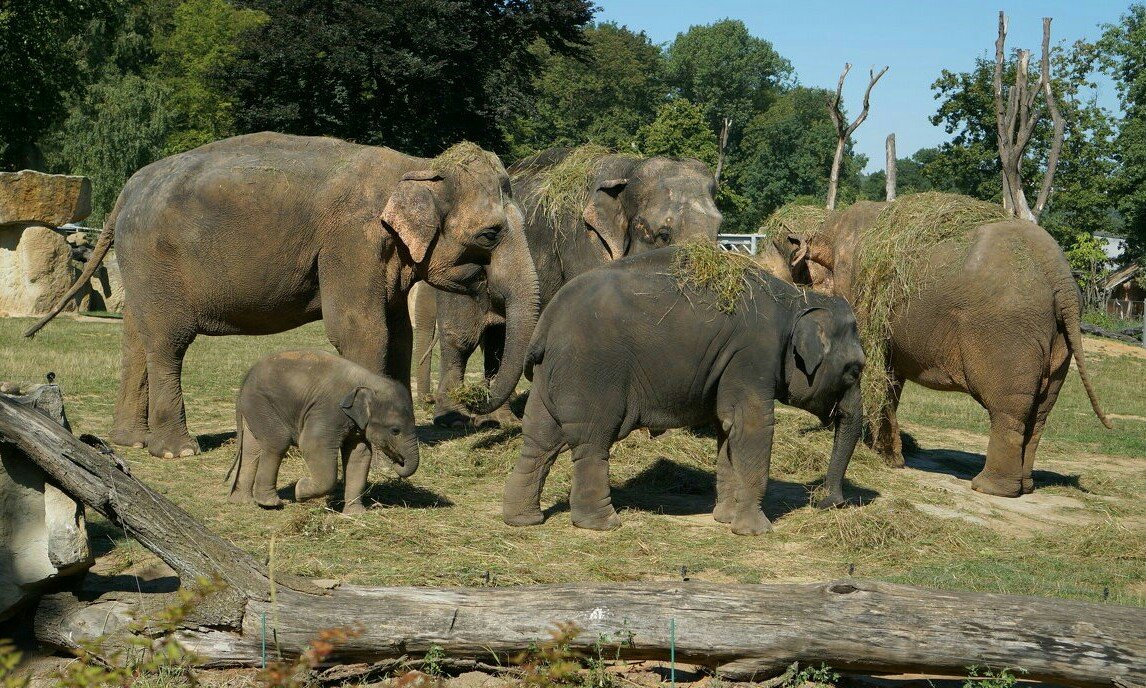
(843, 130)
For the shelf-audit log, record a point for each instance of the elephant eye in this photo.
(664, 238)
(489, 235)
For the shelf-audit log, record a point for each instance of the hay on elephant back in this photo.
(564, 187)
(464, 156)
(795, 218)
(889, 266)
(706, 268)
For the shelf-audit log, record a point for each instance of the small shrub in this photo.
(554, 663)
(432, 662)
(986, 677)
(822, 675)
(9, 660)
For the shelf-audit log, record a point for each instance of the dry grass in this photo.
(889, 266)
(466, 156)
(564, 187)
(470, 395)
(705, 268)
(795, 218)
(443, 526)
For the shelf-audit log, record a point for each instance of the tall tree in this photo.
(731, 74)
(602, 94)
(679, 129)
(359, 69)
(1122, 50)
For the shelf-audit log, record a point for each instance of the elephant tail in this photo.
(234, 469)
(536, 351)
(1067, 301)
(103, 245)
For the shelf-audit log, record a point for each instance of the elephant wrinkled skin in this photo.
(632, 205)
(330, 409)
(261, 233)
(997, 319)
(622, 348)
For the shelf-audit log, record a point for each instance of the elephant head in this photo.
(385, 416)
(464, 233)
(638, 205)
(822, 368)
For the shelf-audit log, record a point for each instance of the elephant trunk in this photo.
(408, 454)
(848, 426)
(513, 280)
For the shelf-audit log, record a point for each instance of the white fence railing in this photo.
(740, 243)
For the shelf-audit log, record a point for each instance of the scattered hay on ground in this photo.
(472, 396)
(706, 268)
(888, 266)
(466, 156)
(564, 187)
(794, 218)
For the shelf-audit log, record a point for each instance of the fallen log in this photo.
(741, 631)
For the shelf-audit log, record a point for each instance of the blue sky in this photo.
(916, 39)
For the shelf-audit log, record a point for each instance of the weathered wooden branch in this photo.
(1056, 119)
(843, 130)
(890, 182)
(742, 631)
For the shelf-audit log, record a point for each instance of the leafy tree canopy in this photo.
(679, 130)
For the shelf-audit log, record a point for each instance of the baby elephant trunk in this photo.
(404, 455)
(848, 426)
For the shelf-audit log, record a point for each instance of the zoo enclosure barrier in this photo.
(741, 243)
(1125, 309)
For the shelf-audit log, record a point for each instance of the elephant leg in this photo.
(250, 451)
(425, 326)
(129, 424)
(270, 457)
(1002, 474)
(749, 443)
(493, 347)
(726, 486)
(1046, 401)
(356, 470)
(400, 350)
(888, 443)
(590, 501)
(542, 441)
(455, 355)
(322, 457)
(167, 418)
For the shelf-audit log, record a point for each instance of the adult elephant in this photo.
(583, 208)
(992, 311)
(262, 233)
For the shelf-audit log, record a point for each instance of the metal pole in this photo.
(1144, 322)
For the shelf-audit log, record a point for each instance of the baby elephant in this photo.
(633, 345)
(329, 408)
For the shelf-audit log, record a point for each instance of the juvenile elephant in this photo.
(995, 314)
(628, 205)
(627, 346)
(330, 409)
(261, 233)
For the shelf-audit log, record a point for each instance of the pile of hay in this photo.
(705, 268)
(466, 156)
(564, 187)
(794, 218)
(888, 269)
(471, 396)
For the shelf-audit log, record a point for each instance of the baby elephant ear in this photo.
(808, 341)
(356, 405)
(413, 211)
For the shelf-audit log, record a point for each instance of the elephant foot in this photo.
(172, 447)
(354, 509)
(526, 517)
(599, 519)
(452, 419)
(893, 459)
(724, 512)
(1028, 485)
(239, 497)
(128, 437)
(268, 500)
(305, 489)
(832, 500)
(753, 523)
(992, 484)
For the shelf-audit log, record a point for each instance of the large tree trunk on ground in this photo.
(740, 630)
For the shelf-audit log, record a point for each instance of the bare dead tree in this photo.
(1016, 122)
(891, 171)
(725, 127)
(844, 131)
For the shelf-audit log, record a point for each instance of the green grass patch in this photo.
(471, 396)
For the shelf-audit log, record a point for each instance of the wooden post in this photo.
(740, 631)
(891, 170)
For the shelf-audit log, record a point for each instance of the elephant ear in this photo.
(356, 406)
(605, 215)
(810, 342)
(797, 246)
(414, 213)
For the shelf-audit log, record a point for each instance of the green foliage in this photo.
(120, 125)
(432, 661)
(986, 677)
(910, 177)
(680, 130)
(554, 663)
(822, 675)
(9, 660)
(201, 42)
(602, 95)
(889, 264)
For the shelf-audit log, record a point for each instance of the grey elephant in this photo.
(994, 312)
(623, 205)
(261, 233)
(630, 345)
(332, 410)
